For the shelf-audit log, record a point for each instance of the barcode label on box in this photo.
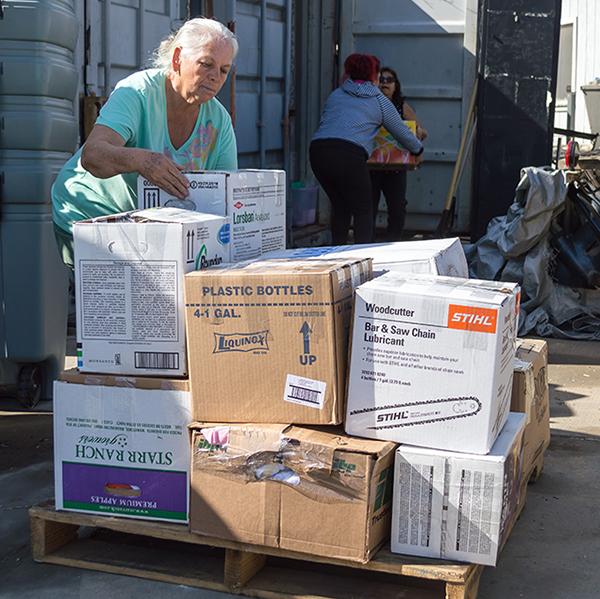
(306, 392)
(157, 360)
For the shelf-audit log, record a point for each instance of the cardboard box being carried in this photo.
(431, 256)
(388, 153)
(315, 491)
(268, 340)
(253, 198)
(431, 361)
(121, 446)
(129, 286)
(530, 396)
(458, 506)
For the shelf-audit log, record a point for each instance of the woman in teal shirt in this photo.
(156, 123)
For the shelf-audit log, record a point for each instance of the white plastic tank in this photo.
(38, 133)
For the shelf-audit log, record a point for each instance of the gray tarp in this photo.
(516, 248)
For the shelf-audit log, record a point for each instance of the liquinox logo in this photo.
(241, 342)
(202, 261)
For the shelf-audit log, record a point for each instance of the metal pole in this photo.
(263, 83)
(231, 15)
(106, 56)
(141, 31)
(287, 80)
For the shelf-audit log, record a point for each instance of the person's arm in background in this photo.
(395, 125)
(105, 153)
(411, 115)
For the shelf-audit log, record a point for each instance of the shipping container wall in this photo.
(258, 95)
(118, 38)
(579, 62)
(431, 45)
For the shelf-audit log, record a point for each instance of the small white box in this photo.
(129, 272)
(432, 256)
(431, 361)
(121, 450)
(253, 198)
(452, 505)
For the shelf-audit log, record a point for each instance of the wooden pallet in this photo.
(121, 546)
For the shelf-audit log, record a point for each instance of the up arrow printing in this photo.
(190, 246)
(306, 331)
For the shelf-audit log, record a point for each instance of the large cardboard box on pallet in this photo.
(431, 361)
(129, 286)
(430, 256)
(530, 396)
(121, 446)
(458, 506)
(254, 199)
(268, 340)
(311, 490)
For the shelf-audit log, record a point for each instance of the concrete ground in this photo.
(552, 552)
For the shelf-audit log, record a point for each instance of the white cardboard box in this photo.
(129, 286)
(121, 450)
(458, 506)
(432, 256)
(431, 361)
(253, 198)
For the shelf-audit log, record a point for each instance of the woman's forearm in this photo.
(103, 159)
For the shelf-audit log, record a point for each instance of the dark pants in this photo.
(341, 169)
(393, 185)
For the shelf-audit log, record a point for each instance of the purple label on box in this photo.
(125, 491)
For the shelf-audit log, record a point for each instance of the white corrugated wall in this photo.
(583, 16)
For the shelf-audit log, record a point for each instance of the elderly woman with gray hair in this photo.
(156, 123)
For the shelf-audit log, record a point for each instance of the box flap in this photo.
(172, 215)
(336, 439)
(281, 266)
(133, 382)
(490, 292)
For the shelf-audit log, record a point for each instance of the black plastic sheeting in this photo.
(517, 248)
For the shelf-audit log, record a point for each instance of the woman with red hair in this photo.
(340, 147)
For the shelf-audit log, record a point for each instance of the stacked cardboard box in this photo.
(456, 505)
(530, 395)
(431, 368)
(121, 445)
(303, 489)
(253, 199)
(430, 256)
(121, 438)
(267, 355)
(129, 286)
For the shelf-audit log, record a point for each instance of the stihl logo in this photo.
(469, 318)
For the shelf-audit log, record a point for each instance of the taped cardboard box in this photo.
(458, 506)
(315, 491)
(253, 198)
(121, 446)
(431, 361)
(431, 256)
(129, 286)
(530, 396)
(268, 340)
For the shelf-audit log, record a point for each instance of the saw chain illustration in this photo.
(421, 412)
